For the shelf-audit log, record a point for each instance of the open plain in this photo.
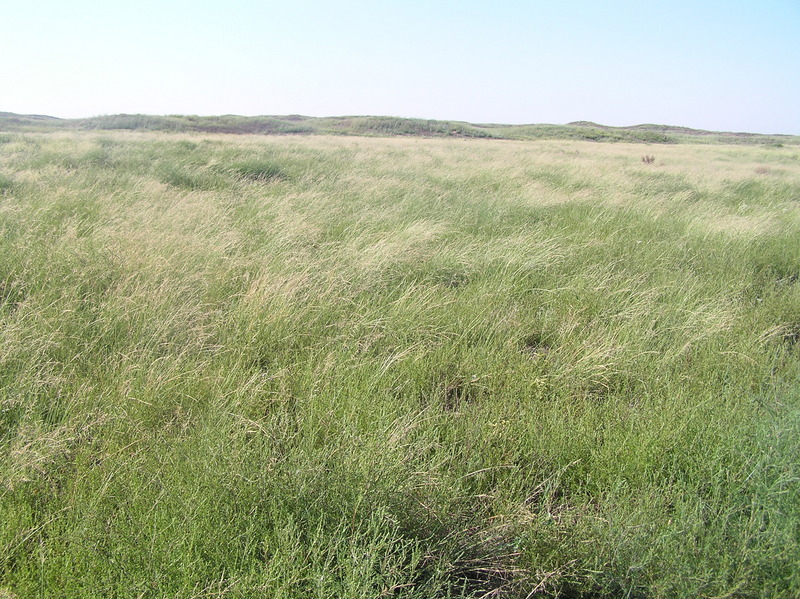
(326, 366)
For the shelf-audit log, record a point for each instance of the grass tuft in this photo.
(258, 170)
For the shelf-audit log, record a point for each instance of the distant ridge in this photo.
(383, 126)
(667, 129)
(41, 117)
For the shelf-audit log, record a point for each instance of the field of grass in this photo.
(295, 367)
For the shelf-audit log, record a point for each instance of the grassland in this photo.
(351, 367)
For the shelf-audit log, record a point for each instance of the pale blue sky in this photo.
(731, 65)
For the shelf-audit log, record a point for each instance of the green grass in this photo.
(359, 367)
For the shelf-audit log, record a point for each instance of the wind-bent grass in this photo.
(329, 367)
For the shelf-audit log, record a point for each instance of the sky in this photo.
(724, 66)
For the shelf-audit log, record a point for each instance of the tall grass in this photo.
(328, 367)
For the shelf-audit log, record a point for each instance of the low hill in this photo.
(383, 126)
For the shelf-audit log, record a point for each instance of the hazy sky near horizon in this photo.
(722, 65)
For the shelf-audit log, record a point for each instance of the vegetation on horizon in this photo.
(354, 367)
(383, 126)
